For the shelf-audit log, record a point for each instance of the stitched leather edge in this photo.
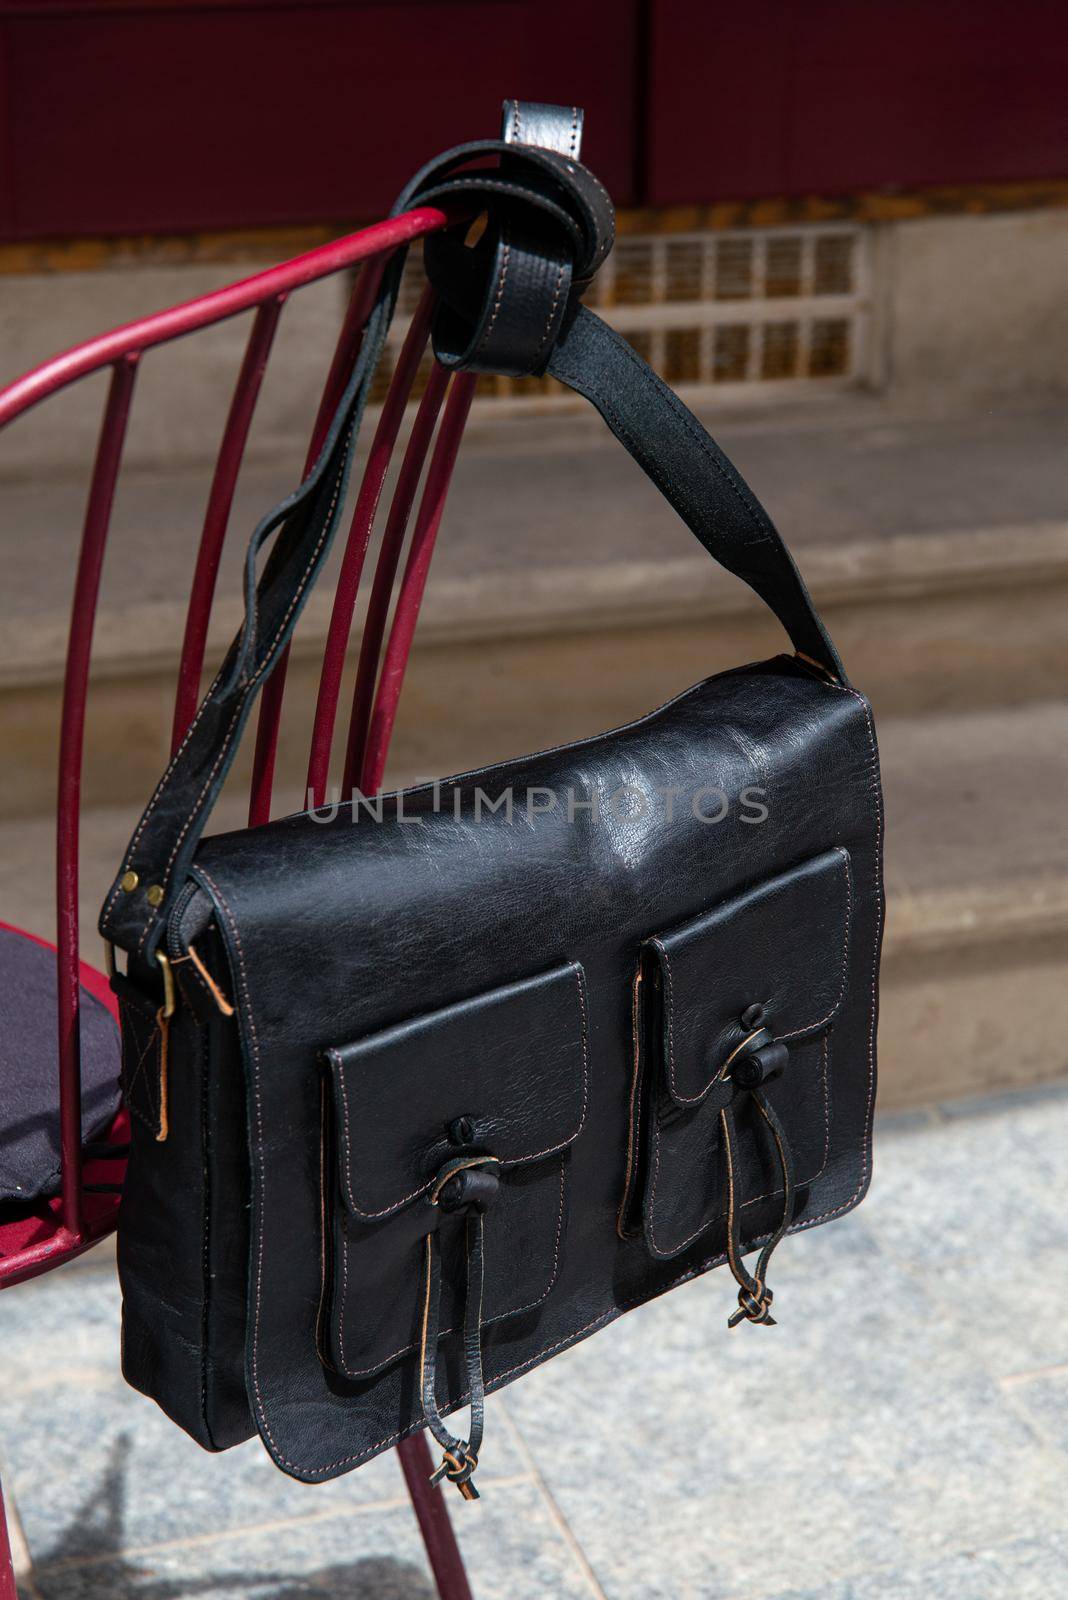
(331, 1469)
(205, 1233)
(268, 660)
(128, 1080)
(549, 750)
(333, 1055)
(630, 1171)
(341, 1247)
(796, 1033)
(666, 1252)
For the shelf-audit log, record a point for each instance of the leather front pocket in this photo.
(504, 1074)
(781, 945)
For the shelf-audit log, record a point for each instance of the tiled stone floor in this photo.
(901, 1435)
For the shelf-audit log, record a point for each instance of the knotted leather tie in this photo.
(755, 1061)
(504, 299)
(466, 1184)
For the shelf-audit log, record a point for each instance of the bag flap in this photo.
(339, 928)
(782, 944)
(513, 1062)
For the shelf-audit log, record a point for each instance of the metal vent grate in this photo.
(716, 312)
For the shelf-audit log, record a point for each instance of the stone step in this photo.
(564, 596)
(976, 948)
(557, 521)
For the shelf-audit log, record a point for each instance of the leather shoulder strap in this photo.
(508, 304)
(303, 525)
(692, 473)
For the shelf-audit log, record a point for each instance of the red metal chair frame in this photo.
(74, 1220)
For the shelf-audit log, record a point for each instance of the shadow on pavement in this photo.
(77, 1566)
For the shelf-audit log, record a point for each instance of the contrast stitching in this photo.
(666, 1251)
(258, 1267)
(552, 313)
(808, 1027)
(670, 987)
(485, 186)
(152, 1124)
(510, 1161)
(205, 1222)
(506, 256)
(809, 1222)
(624, 1305)
(140, 1071)
(814, 1027)
(325, 1285)
(875, 789)
(137, 1071)
(154, 799)
(202, 708)
(769, 534)
(713, 1261)
(228, 737)
(758, 519)
(261, 1415)
(341, 1244)
(223, 748)
(632, 1130)
(499, 1316)
(557, 158)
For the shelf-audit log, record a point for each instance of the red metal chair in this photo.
(53, 1227)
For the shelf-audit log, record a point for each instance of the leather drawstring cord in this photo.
(761, 1061)
(467, 1183)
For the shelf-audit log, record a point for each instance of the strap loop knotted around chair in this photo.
(549, 224)
(527, 188)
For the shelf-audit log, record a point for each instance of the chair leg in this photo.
(433, 1517)
(7, 1569)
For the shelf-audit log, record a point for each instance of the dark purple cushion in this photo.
(29, 1081)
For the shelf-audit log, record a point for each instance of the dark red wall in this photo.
(170, 115)
(790, 97)
(166, 116)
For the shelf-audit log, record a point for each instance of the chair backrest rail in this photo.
(71, 747)
(363, 516)
(191, 315)
(265, 294)
(217, 515)
(374, 628)
(346, 350)
(413, 583)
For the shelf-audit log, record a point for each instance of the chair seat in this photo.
(29, 1070)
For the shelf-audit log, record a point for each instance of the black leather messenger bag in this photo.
(427, 1089)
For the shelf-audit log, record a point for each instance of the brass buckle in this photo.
(169, 1000)
(168, 984)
